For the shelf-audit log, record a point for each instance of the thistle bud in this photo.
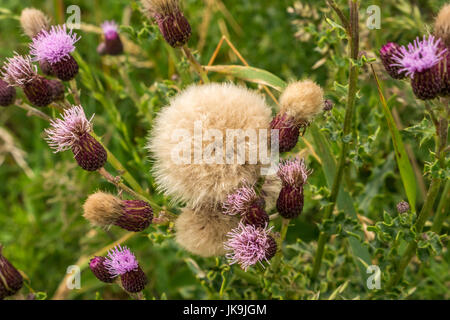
(442, 25)
(122, 262)
(19, 71)
(57, 89)
(73, 132)
(99, 270)
(293, 174)
(54, 47)
(112, 44)
(33, 21)
(173, 25)
(421, 62)
(7, 94)
(46, 67)
(246, 203)
(402, 207)
(103, 209)
(288, 131)
(11, 280)
(387, 54)
(248, 245)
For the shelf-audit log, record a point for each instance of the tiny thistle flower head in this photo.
(387, 54)
(403, 207)
(19, 70)
(420, 55)
(110, 29)
(98, 268)
(11, 280)
(66, 132)
(54, 45)
(33, 21)
(248, 245)
(288, 131)
(120, 261)
(112, 44)
(240, 201)
(293, 172)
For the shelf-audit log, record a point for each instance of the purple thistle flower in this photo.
(110, 29)
(420, 56)
(293, 172)
(54, 45)
(289, 131)
(249, 245)
(387, 54)
(99, 270)
(72, 132)
(120, 261)
(67, 131)
(19, 70)
(240, 201)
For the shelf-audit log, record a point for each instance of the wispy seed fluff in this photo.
(302, 100)
(442, 25)
(203, 231)
(33, 21)
(214, 106)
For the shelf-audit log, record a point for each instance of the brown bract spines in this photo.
(302, 100)
(203, 231)
(442, 25)
(33, 21)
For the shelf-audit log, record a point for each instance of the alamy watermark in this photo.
(73, 281)
(374, 280)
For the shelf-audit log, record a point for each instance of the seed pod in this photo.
(7, 94)
(134, 281)
(290, 202)
(99, 270)
(11, 280)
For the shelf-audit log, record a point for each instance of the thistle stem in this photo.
(351, 95)
(442, 209)
(197, 66)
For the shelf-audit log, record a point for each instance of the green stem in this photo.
(442, 209)
(197, 66)
(351, 96)
(246, 276)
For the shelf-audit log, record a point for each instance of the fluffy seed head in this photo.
(402, 207)
(19, 70)
(202, 231)
(184, 174)
(442, 25)
(302, 100)
(11, 280)
(420, 55)
(387, 54)
(33, 21)
(99, 270)
(120, 261)
(54, 45)
(7, 94)
(159, 7)
(102, 209)
(293, 172)
(66, 132)
(248, 245)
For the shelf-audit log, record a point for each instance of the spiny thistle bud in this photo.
(99, 270)
(246, 203)
(421, 63)
(288, 133)
(112, 44)
(104, 209)
(402, 207)
(33, 21)
(19, 71)
(387, 54)
(248, 245)
(442, 25)
(55, 46)
(11, 280)
(173, 25)
(73, 132)
(57, 89)
(293, 174)
(122, 262)
(7, 94)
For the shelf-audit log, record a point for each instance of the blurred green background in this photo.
(42, 193)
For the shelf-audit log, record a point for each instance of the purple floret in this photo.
(120, 261)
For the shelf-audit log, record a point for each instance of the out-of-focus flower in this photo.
(112, 44)
(11, 280)
(7, 94)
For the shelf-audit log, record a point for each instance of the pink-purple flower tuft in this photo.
(120, 261)
(420, 55)
(19, 70)
(110, 29)
(54, 45)
(249, 245)
(293, 172)
(240, 201)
